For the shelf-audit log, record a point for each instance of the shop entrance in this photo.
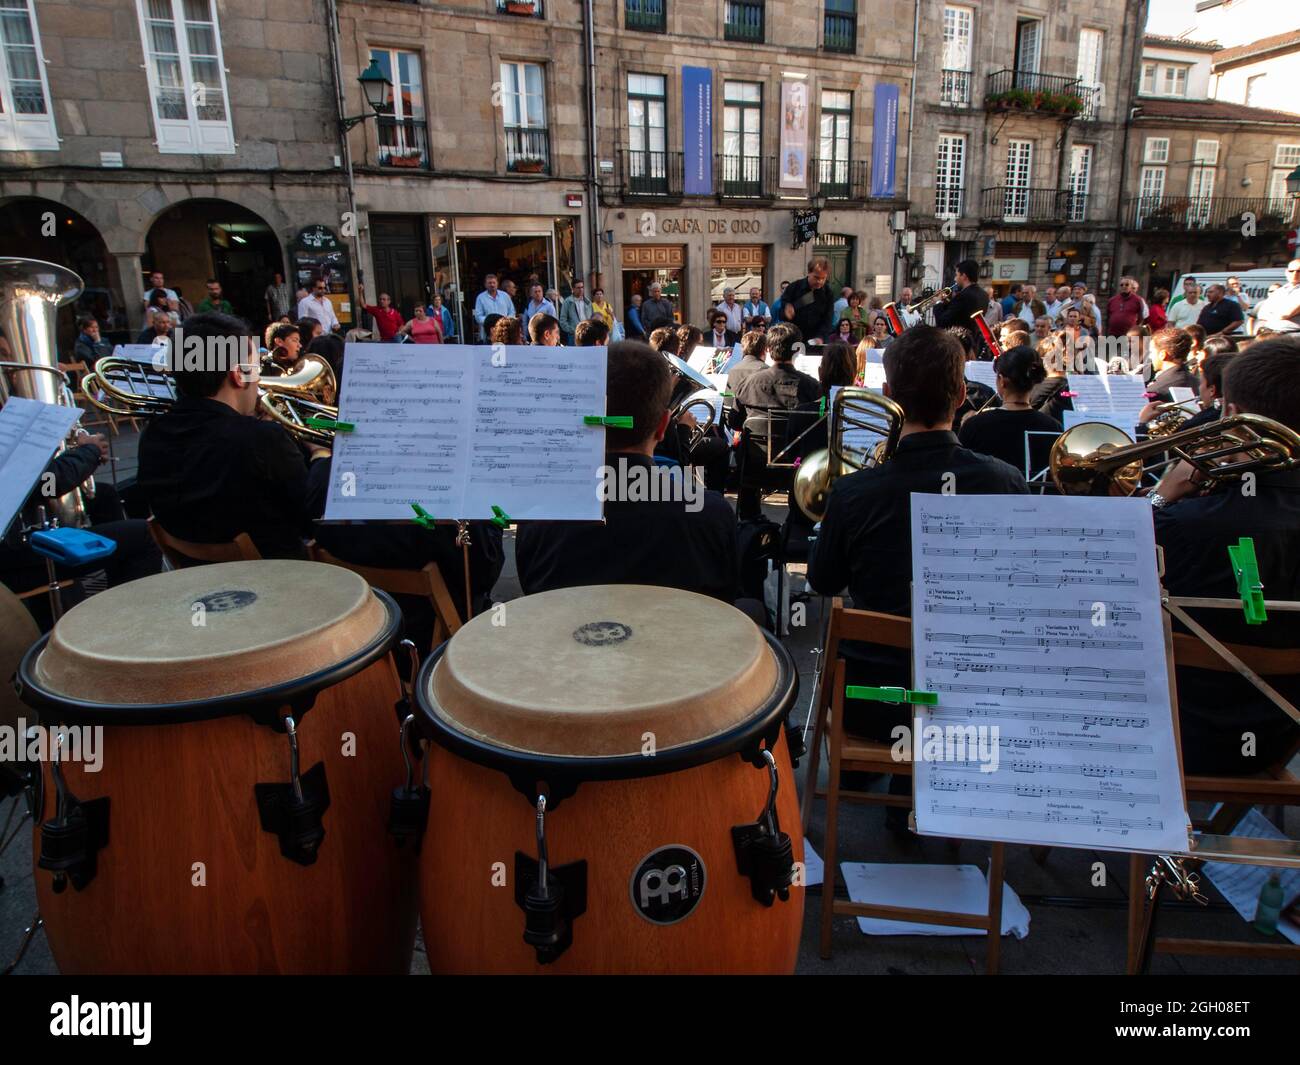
(521, 258)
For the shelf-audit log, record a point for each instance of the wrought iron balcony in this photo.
(1014, 204)
(650, 15)
(954, 87)
(1043, 94)
(839, 30)
(1221, 214)
(744, 177)
(528, 150)
(842, 179)
(403, 143)
(650, 175)
(744, 21)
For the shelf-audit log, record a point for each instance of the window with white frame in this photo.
(187, 76)
(1200, 186)
(1285, 159)
(1088, 70)
(1080, 176)
(1156, 150)
(401, 122)
(958, 23)
(742, 135)
(647, 133)
(26, 117)
(1207, 152)
(1020, 166)
(949, 175)
(1151, 191)
(523, 110)
(1164, 79)
(835, 141)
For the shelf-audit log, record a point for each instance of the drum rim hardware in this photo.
(295, 811)
(72, 839)
(552, 897)
(764, 853)
(563, 774)
(262, 704)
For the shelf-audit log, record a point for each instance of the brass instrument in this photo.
(923, 305)
(857, 409)
(31, 293)
(1097, 459)
(128, 389)
(1169, 419)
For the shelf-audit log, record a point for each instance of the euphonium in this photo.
(31, 293)
(1097, 459)
(861, 411)
(1169, 419)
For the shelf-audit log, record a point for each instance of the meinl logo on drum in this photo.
(77, 1018)
(635, 483)
(64, 743)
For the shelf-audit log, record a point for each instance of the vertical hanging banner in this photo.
(884, 141)
(794, 135)
(697, 129)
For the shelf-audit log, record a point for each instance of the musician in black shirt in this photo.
(1000, 431)
(780, 386)
(865, 541)
(210, 469)
(1227, 725)
(753, 347)
(969, 298)
(687, 541)
(812, 300)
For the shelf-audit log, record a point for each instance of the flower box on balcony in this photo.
(1052, 103)
(410, 160)
(529, 166)
(521, 7)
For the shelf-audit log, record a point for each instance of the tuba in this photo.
(876, 423)
(31, 293)
(1097, 459)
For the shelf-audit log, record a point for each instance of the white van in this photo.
(1254, 283)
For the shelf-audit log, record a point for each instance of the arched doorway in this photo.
(199, 239)
(33, 228)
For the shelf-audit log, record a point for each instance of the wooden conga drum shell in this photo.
(478, 820)
(563, 700)
(190, 881)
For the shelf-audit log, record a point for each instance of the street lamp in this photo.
(1293, 182)
(375, 86)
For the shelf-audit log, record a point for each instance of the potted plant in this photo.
(521, 7)
(529, 165)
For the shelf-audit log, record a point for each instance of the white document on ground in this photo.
(1037, 622)
(1117, 399)
(956, 888)
(30, 434)
(459, 429)
(1240, 884)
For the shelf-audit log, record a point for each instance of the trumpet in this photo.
(861, 411)
(1097, 459)
(127, 389)
(923, 305)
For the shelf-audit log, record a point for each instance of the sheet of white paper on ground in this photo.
(982, 372)
(30, 433)
(1241, 884)
(452, 430)
(813, 868)
(1036, 620)
(957, 888)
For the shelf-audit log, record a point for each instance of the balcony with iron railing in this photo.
(954, 88)
(840, 30)
(650, 175)
(528, 150)
(1014, 204)
(649, 15)
(1210, 214)
(403, 143)
(744, 177)
(1040, 94)
(646, 175)
(522, 8)
(841, 179)
(744, 21)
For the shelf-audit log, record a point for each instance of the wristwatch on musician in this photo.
(1158, 502)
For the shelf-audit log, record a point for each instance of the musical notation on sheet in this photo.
(1054, 721)
(460, 429)
(30, 434)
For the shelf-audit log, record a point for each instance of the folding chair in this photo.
(1275, 784)
(855, 753)
(180, 553)
(426, 582)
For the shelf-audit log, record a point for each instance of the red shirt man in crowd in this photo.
(1125, 310)
(388, 319)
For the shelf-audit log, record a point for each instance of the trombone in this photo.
(1096, 459)
(866, 414)
(128, 389)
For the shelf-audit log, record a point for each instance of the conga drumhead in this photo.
(603, 671)
(210, 631)
(18, 631)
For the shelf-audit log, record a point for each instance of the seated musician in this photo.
(1170, 350)
(591, 333)
(1000, 431)
(687, 541)
(211, 469)
(753, 358)
(978, 395)
(865, 540)
(1049, 395)
(712, 452)
(838, 369)
(1217, 710)
(286, 345)
(1211, 391)
(136, 555)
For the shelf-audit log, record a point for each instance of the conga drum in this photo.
(233, 817)
(610, 790)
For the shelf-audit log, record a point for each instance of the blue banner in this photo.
(697, 127)
(884, 141)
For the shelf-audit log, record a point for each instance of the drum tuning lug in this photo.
(72, 839)
(550, 898)
(764, 853)
(408, 810)
(295, 811)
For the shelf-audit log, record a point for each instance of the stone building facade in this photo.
(1019, 135)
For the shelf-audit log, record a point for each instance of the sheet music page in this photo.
(981, 372)
(708, 360)
(30, 434)
(873, 370)
(154, 355)
(1037, 621)
(809, 364)
(444, 427)
(1116, 399)
(530, 453)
